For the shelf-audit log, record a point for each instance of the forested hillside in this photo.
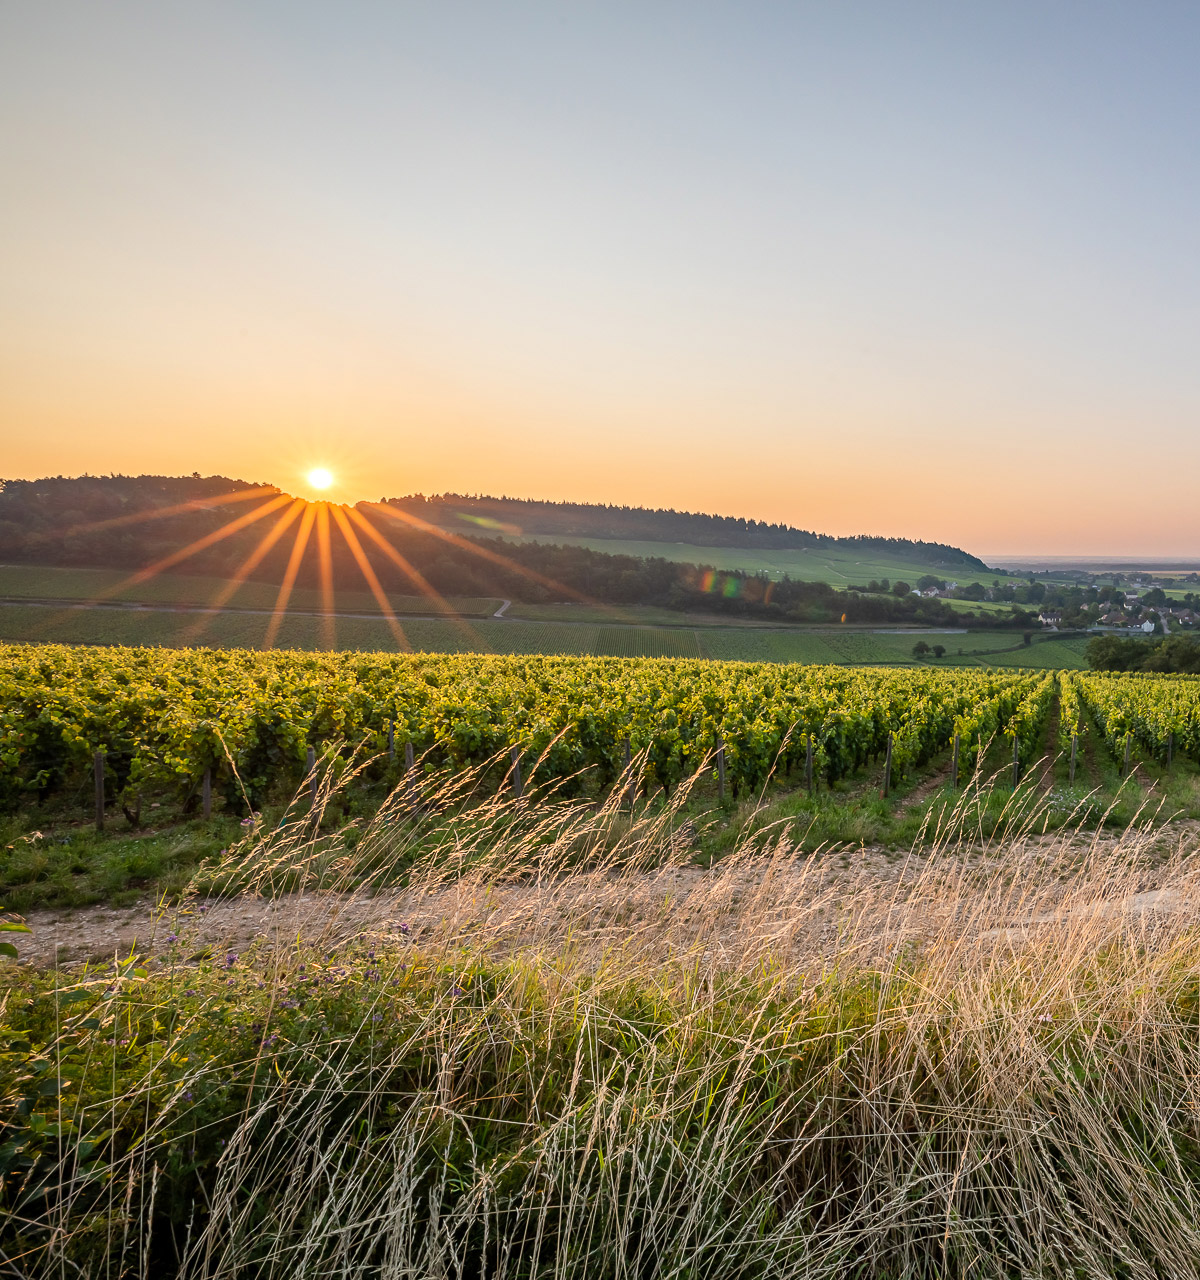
(221, 527)
(564, 519)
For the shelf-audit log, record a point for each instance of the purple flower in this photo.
(172, 937)
(456, 990)
(187, 1095)
(405, 928)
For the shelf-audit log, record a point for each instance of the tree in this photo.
(1027, 637)
(939, 650)
(920, 649)
(901, 589)
(927, 580)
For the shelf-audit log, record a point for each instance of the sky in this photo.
(923, 269)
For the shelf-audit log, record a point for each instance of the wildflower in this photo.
(456, 990)
(187, 1095)
(172, 937)
(405, 928)
(1045, 1017)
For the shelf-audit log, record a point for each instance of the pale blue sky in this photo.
(924, 269)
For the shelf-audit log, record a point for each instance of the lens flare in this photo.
(320, 478)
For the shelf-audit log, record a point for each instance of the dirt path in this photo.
(743, 902)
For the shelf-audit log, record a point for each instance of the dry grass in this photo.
(530, 1038)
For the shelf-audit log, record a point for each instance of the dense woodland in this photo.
(1179, 654)
(135, 522)
(590, 520)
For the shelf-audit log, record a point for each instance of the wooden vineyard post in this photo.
(887, 770)
(312, 777)
(1170, 749)
(954, 765)
(630, 785)
(1074, 750)
(516, 773)
(1016, 761)
(1125, 766)
(206, 794)
(391, 742)
(720, 767)
(808, 765)
(98, 776)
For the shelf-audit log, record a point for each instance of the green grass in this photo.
(838, 568)
(981, 607)
(33, 582)
(79, 625)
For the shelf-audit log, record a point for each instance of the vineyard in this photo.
(163, 718)
(1160, 713)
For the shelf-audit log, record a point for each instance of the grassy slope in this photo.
(839, 568)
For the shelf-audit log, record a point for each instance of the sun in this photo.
(320, 478)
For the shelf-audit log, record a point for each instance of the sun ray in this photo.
(426, 588)
(289, 576)
(485, 553)
(160, 513)
(325, 561)
(202, 544)
(372, 579)
(405, 566)
(247, 567)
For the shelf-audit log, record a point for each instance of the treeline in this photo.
(134, 523)
(593, 520)
(1177, 653)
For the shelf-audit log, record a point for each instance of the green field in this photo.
(34, 582)
(171, 628)
(838, 568)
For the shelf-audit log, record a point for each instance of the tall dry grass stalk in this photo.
(531, 1038)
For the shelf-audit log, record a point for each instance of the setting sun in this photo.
(320, 478)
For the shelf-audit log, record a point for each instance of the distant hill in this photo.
(467, 513)
(225, 528)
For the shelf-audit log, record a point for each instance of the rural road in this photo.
(500, 612)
